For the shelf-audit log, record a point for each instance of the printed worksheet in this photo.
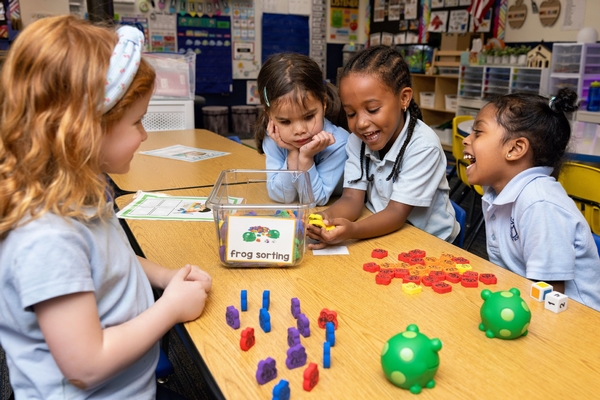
(184, 153)
(153, 206)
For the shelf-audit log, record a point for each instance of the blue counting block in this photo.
(281, 391)
(266, 299)
(265, 320)
(244, 299)
(326, 355)
(330, 333)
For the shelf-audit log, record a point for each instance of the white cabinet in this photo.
(575, 66)
(481, 83)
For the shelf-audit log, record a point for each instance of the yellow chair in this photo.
(582, 184)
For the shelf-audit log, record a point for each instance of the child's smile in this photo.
(374, 112)
(485, 151)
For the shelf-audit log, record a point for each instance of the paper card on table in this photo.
(160, 207)
(331, 251)
(184, 153)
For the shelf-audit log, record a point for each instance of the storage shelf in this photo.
(588, 116)
(440, 86)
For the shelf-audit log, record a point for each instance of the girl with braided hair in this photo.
(532, 227)
(395, 162)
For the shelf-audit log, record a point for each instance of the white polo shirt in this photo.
(534, 229)
(421, 182)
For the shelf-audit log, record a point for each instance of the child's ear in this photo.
(406, 96)
(517, 149)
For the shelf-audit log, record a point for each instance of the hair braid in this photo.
(411, 128)
(362, 157)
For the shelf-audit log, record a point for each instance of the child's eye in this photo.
(476, 132)
(309, 117)
(284, 122)
(350, 114)
(373, 111)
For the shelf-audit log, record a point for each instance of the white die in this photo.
(556, 301)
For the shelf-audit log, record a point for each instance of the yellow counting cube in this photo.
(463, 267)
(411, 288)
(539, 290)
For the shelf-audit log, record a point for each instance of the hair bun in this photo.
(565, 101)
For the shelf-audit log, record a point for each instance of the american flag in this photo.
(479, 8)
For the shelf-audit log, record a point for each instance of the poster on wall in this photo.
(252, 95)
(410, 9)
(243, 32)
(458, 22)
(343, 25)
(163, 33)
(438, 21)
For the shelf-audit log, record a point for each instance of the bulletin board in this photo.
(210, 39)
(284, 32)
(419, 21)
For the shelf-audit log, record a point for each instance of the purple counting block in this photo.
(293, 337)
(295, 307)
(232, 316)
(296, 357)
(267, 370)
(303, 325)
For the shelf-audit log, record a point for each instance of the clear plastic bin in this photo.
(254, 231)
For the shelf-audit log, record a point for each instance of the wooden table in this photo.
(559, 358)
(150, 173)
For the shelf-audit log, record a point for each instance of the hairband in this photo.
(266, 99)
(124, 64)
(551, 102)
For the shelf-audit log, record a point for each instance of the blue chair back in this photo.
(461, 217)
(597, 240)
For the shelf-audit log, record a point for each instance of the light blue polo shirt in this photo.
(534, 229)
(421, 182)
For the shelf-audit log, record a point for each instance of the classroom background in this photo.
(231, 39)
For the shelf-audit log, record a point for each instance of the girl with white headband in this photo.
(78, 318)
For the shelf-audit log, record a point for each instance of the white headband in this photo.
(124, 64)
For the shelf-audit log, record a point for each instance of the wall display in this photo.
(243, 32)
(517, 14)
(395, 8)
(210, 39)
(343, 24)
(379, 11)
(318, 32)
(458, 22)
(549, 11)
(375, 39)
(437, 21)
(387, 38)
(437, 4)
(252, 95)
(163, 32)
(3, 20)
(451, 3)
(410, 9)
(463, 3)
(574, 15)
(284, 32)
